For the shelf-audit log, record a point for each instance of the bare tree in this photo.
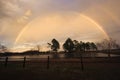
(108, 45)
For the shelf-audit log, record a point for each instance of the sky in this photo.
(26, 23)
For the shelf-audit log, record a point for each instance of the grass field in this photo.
(62, 69)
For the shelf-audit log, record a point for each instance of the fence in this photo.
(47, 61)
(50, 61)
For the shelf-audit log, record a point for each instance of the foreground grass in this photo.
(61, 70)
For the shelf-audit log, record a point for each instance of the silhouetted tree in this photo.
(55, 45)
(87, 46)
(82, 46)
(68, 46)
(76, 45)
(107, 45)
(93, 46)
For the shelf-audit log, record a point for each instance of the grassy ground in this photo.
(62, 69)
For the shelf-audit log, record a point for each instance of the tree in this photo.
(93, 46)
(68, 46)
(55, 45)
(108, 45)
(82, 46)
(79, 47)
(76, 45)
(87, 46)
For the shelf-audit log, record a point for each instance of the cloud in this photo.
(13, 17)
(9, 8)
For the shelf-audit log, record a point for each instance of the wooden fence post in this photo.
(82, 65)
(24, 62)
(6, 61)
(48, 63)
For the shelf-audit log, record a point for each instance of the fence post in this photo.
(81, 59)
(6, 61)
(48, 62)
(24, 62)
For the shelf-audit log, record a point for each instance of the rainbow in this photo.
(82, 15)
(97, 25)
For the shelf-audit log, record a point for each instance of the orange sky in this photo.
(38, 21)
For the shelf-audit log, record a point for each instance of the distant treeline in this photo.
(73, 46)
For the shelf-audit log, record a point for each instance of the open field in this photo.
(62, 69)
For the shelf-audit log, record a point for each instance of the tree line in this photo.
(73, 45)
